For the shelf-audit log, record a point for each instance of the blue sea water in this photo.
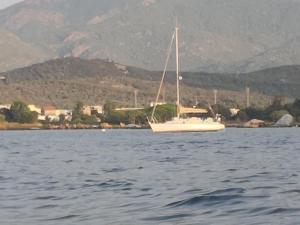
(135, 177)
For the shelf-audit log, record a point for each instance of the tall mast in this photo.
(163, 76)
(177, 73)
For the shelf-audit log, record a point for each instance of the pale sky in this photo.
(6, 3)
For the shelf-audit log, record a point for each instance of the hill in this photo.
(62, 82)
(216, 36)
(17, 53)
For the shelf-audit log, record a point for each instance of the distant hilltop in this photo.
(62, 82)
(215, 36)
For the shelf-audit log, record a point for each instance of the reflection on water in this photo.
(241, 176)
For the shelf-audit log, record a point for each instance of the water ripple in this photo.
(168, 217)
(62, 218)
(139, 178)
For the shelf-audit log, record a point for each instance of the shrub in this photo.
(90, 120)
(256, 113)
(223, 110)
(242, 115)
(2, 118)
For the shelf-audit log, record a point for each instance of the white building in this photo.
(159, 103)
(5, 106)
(234, 111)
(97, 108)
(34, 108)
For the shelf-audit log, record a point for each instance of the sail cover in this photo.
(184, 110)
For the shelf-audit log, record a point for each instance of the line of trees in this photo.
(20, 113)
(163, 113)
(271, 113)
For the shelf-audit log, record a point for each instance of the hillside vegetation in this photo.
(62, 82)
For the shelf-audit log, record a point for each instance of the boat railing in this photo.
(152, 120)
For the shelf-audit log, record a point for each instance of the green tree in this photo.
(90, 120)
(163, 112)
(296, 103)
(109, 107)
(62, 119)
(136, 117)
(275, 106)
(256, 113)
(223, 110)
(5, 113)
(242, 115)
(294, 108)
(116, 117)
(20, 113)
(2, 118)
(77, 113)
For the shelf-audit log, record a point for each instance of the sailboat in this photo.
(179, 123)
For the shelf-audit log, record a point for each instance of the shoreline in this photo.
(38, 126)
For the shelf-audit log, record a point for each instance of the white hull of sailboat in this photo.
(184, 126)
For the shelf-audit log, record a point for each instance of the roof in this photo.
(49, 107)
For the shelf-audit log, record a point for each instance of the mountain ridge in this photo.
(231, 36)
